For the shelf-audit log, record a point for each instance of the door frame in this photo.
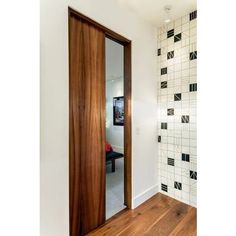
(127, 101)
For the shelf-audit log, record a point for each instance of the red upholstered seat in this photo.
(108, 147)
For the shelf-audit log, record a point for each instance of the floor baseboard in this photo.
(144, 196)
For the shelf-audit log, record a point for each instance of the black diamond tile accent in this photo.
(159, 139)
(193, 55)
(164, 71)
(178, 185)
(164, 84)
(177, 37)
(170, 33)
(185, 157)
(163, 125)
(171, 161)
(193, 15)
(193, 174)
(164, 187)
(193, 87)
(185, 119)
(170, 111)
(177, 97)
(170, 55)
(158, 52)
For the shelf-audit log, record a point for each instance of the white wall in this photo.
(55, 100)
(114, 88)
(114, 60)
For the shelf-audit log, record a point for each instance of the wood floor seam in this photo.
(157, 220)
(173, 218)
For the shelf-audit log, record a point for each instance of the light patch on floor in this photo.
(115, 188)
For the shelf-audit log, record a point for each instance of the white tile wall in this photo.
(179, 137)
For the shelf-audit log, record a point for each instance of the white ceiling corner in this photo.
(153, 10)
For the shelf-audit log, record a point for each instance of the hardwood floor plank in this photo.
(160, 215)
(187, 227)
(118, 223)
(165, 225)
(146, 219)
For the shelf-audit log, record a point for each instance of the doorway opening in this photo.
(114, 127)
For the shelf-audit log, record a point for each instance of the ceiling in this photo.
(153, 10)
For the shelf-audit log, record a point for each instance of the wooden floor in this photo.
(159, 216)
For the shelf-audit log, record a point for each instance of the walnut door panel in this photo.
(87, 126)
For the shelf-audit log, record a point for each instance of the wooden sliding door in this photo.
(87, 126)
(87, 122)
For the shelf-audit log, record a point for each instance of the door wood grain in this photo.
(87, 121)
(87, 126)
